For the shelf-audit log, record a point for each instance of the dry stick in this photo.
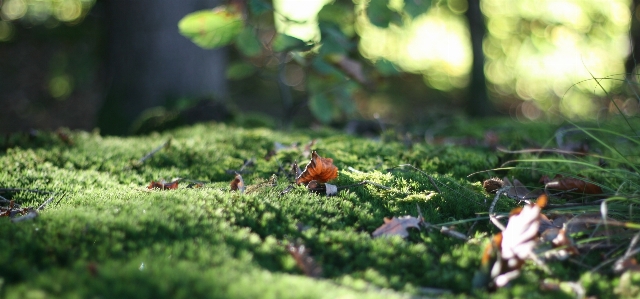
(566, 205)
(419, 170)
(154, 151)
(44, 204)
(542, 150)
(2, 190)
(151, 153)
(492, 216)
(364, 183)
(32, 214)
(619, 265)
(443, 229)
(472, 227)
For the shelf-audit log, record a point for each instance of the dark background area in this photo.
(124, 68)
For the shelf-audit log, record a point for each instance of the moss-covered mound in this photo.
(105, 235)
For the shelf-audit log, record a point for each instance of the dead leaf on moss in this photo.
(237, 184)
(397, 226)
(64, 136)
(319, 169)
(305, 262)
(519, 191)
(508, 250)
(492, 185)
(163, 185)
(576, 185)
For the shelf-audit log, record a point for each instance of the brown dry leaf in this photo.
(519, 191)
(572, 184)
(237, 184)
(629, 264)
(397, 226)
(62, 135)
(319, 169)
(492, 185)
(163, 185)
(304, 261)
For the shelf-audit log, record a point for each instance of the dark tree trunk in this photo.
(634, 33)
(149, 61)
(478, 103)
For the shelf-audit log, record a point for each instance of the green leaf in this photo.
(415, 8)
(240, 70)
(212, 29)
(334, 41)
(285, 43)
(380, 14)
(340, 14)
(258, 7)
(248, 43)
(386, 67)
(321, 107)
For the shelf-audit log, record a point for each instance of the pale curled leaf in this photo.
(331, 189)
(519, 238)
(397, 226)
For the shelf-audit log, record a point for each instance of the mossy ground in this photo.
(110, 237)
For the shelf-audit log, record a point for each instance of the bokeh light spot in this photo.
(60, 87)
(68, 10)
(6, 31)
(14, 9)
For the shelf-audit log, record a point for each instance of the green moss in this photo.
(111, 237)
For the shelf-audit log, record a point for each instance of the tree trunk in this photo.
(148, 61)
(478, 103)
(634, 33)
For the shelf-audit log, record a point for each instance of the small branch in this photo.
(5, 190)
(44, 204)
(419, 170)
(492, 216)
(150, 154)
(32, 214)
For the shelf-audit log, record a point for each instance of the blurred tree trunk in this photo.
(634, 33)
(478, 103)
(148, 61)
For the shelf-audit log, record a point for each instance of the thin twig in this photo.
(492, 216)
(567, 205)
(44, 204)
(419, 170)
(32, 214)
(4, 190)
(155, 150)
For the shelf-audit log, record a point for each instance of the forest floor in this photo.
(81, 218)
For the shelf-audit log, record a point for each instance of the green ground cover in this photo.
(111, 237)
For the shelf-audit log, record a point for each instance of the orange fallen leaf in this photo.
(163, 185)
(237, 184)
(576, 185)
(319, 169)
(397, 226)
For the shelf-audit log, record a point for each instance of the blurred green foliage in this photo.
(333, 71)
